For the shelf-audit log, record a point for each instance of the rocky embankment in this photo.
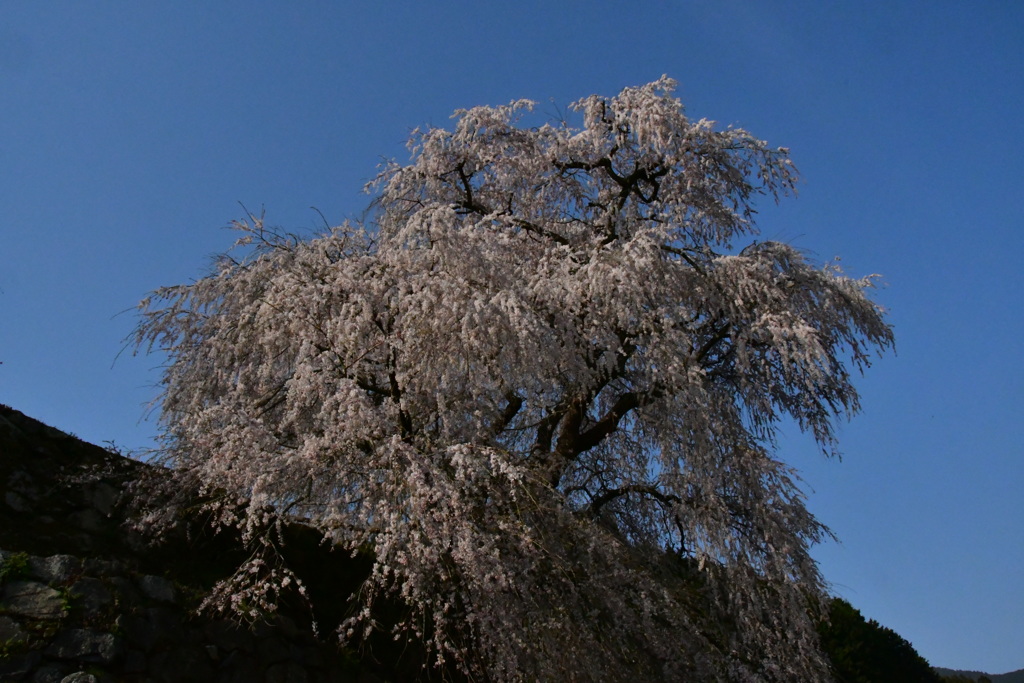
(84, 599)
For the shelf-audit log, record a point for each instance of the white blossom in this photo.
(542, 387)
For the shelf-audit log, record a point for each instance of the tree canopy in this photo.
(864, 651)
(541, 387)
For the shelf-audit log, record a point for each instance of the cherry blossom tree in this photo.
(541, 388)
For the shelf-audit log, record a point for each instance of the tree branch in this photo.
(646, 489)
(515, 404)
(610, 422)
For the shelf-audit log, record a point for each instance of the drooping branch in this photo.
(404, 420)
(648, 490)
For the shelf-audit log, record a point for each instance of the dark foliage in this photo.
(864, 651)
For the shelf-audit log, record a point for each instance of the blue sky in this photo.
(131, 132)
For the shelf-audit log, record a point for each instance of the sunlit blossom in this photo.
(542, 386)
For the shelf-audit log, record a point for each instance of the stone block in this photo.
(11, 632)
(92, 594)
(16, 667)
(85, 645)
(55, 569)
(79, 677)
(33, 600)
(157, 588)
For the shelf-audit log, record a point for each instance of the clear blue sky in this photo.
(130, 132)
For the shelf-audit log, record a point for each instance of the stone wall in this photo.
(68, 618)
(84, 599)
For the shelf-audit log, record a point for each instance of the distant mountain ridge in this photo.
(1010, 677)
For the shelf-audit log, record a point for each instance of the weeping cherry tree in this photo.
(540, 387)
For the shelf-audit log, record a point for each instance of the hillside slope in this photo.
(81, 593)
(958, 675)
